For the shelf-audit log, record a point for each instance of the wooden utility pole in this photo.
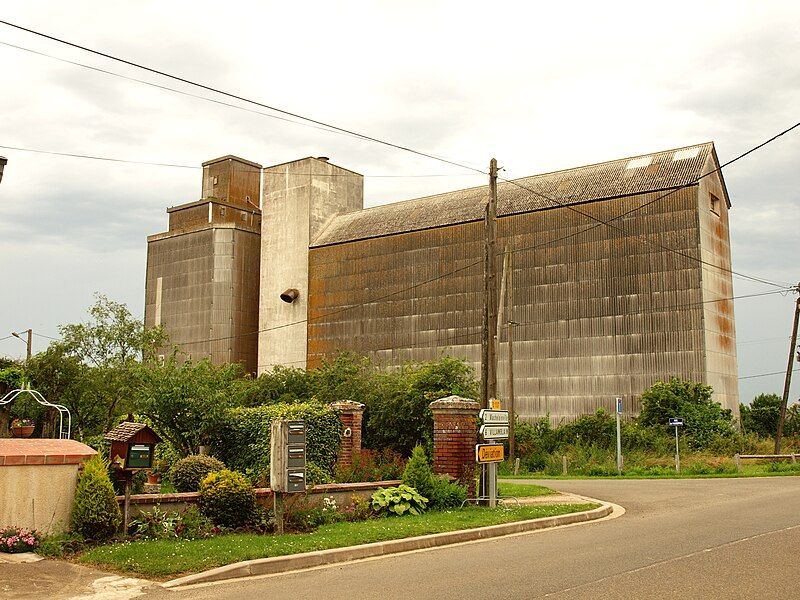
(509, 300)
(489, 340)
(788, 381)
(29, 341)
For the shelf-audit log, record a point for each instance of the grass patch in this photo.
(162, 559)
(521, 490)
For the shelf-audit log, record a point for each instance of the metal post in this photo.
(677, 452)
(619, 446)
(564, 464)
(492, 484)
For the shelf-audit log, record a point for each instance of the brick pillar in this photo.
(350, 414)
(455, 433)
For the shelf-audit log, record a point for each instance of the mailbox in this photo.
(132, 446)
(296, 480)
(288, 456)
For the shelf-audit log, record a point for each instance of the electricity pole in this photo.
(29, 341)
(788, 382)
(488, 342)
(512, 446)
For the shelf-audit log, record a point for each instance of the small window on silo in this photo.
(222, 211)
(244, 216)
(714, 204)
(215, 180)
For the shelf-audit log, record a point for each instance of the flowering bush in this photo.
(19, 539)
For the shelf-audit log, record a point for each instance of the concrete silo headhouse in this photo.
(602, 311)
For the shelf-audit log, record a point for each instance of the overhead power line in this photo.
(768, 374)
(242, 98)
(196, 167)
(391, 144)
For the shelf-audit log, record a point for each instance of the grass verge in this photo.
(163, 559)
(521, 490)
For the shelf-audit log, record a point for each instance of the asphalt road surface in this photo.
(706, 538)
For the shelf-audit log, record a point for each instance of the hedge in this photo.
(243, 441)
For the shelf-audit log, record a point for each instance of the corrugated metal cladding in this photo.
(209, 291)
(601, 314)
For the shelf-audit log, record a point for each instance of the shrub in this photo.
(227, 498)
(399, 501)
(762, 415)
(316, 476)
(703, 418)
(19, 539)
(243, 442)
(418, 473)
(397, 413)
(187, 473)
(446, 493)
(309, 519)
(189, 524)
(61, 545)
(598, 430)
(360, 509)
(371, 465)
(95, 511)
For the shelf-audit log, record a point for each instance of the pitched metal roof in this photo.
(634, 175)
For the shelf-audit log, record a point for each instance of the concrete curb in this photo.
(295, 562)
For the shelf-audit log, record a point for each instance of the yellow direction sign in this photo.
(488, 453)
(494, 404)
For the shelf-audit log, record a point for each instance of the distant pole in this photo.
(512, 444)
(788, 381)
(677, 452)
(488, 342)
(619, 435)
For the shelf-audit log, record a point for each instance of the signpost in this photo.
(676, 422)
(619, 436)
(494, 426)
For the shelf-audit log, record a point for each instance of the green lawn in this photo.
(164, 559)
(747, 471)
(521, 490)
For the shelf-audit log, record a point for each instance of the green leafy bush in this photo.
(243, 440)
(446, 493)
(399, 501)
(316, 476)
(227, 498)
(371, 465)
(187, 473)
(397, 413)
(762, 415)
(418, 473)
(61, 545)
(157, 524)
(598, 429)
(704, 419)
(95, 511)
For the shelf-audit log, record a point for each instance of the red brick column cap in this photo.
(455, 404)
(347, 406)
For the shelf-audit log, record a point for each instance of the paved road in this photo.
(723, 538)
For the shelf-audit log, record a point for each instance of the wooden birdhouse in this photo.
(132, 446)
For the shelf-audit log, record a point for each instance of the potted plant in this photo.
(22, 428)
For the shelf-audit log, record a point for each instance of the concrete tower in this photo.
(299, 199)
(202, 274)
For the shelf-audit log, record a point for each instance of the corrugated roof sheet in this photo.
(634, 175)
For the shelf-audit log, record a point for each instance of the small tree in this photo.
(762, 415)
(704, 419)
(95, 511)
(418, 473)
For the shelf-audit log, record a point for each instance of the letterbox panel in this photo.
(140, 456)
(297, 432)
(297, 456)
(297, 480)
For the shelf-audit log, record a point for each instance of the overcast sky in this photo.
(539, 86)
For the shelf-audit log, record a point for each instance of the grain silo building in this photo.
(602, 311)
